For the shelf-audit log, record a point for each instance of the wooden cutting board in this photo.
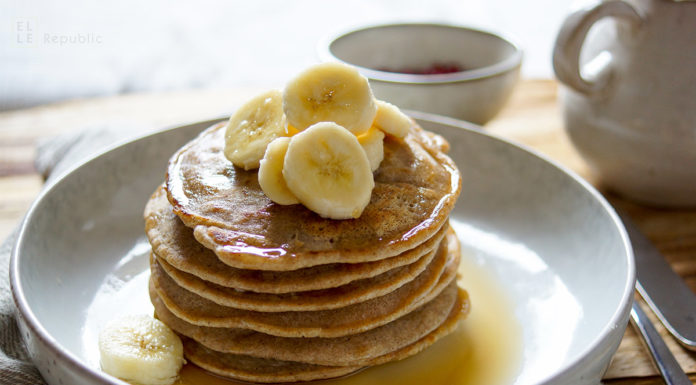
(532, 117)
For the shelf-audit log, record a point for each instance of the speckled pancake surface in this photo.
(256, 369)
(338, 322)
(174, 243)
(324, 299)
(253, 369)
(351, 350)
(416, 187)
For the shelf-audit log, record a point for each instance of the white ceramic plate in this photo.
(547, 238)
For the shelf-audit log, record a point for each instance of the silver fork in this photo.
(662, 357)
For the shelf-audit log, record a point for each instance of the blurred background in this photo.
(59, 50)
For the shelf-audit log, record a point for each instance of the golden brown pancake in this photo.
(459, 311)
(256, 369)
(246, 368)
(265, 292)
(174, 243)
(354, 292)
(351, 350)
(416, 187)
(343, 321)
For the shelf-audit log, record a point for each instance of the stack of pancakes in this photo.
(270, 293)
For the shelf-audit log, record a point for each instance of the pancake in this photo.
(255, 369)
(174, 243)
(246, 368)
(459, 311)
(343, 321)
(354, 292)
(351, 350)
(416, 187)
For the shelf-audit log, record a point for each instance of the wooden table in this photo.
(532, 117)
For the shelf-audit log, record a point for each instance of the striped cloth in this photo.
(15, 365)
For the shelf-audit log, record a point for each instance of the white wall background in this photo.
(135, 46)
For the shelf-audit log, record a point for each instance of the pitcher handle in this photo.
(566, 51)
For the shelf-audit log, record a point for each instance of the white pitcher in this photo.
(632, 115)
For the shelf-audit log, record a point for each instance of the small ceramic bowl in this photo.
(489, 66)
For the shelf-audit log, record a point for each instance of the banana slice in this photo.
(373, 143)
(271, 173)
(252, 127)
(139, 348)
(330, 92)
(327, 169)
(391, 120)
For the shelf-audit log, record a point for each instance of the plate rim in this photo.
(24, 311)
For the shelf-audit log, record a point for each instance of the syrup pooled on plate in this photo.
(484, 350)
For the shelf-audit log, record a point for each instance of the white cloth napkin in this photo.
(54, 157)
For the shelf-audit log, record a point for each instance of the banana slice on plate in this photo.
(373, 143)
(328, 171)
(271, 173)
(139, 348)
(391, 120)
(253, 127)
(330, 92)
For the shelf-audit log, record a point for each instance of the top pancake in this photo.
(416, 187)
(174, 243)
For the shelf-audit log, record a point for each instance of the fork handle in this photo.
(663, 358)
